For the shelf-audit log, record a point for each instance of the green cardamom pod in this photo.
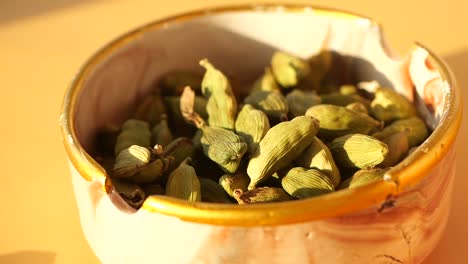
(266, 82)
(261, 195)
(183, 183)
(303, 183)
(358, 151)
(133, 132)
(272, 103)
(289, 70)
(358, 107)
(414, 127)
(299, 101)
(231, 182)
(223, 147)
(221, 103)
(151, 109)
(152, 171)
(336, 121)
(130, 161)
(251, 126)
(131, 193)
(363, 177)
(318, 156)
(344, 99)
(389, 105)
(212, 192)
(174, 82)
(397, 149)
(281, 145)
(175, 118)
(320, 65)
(160, 133)
(180, 149)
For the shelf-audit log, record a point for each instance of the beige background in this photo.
(42, 45)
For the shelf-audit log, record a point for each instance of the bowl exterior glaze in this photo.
(399, 220)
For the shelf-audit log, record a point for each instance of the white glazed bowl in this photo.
(398, 220)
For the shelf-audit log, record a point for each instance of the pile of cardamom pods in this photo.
(287, 139)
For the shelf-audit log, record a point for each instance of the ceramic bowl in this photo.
(398, 220)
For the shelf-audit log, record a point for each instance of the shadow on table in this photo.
(452, 247)
(26, 257)
(13, 10)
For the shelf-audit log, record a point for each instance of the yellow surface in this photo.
(42, 45)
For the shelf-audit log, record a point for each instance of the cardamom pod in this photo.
(266, 82)
(261, 195)
(414, 127)
(336, 121)
(173, 83)
(160, 133)
(358, 151)
(397, 149)
(318, 156)
(130, 160)
(151, 109)
(175, 119)
(299, 101)
(223, 147)
(180, 149)
(133, 132)
(288, 70)
(358, 107)
(320, 64)
(363, 177)
(272, 103)
(221, 104)
(212, 192)
(131, 193)
(251, 126)
(340, 99)
(183, 183)
(281, 145)
(152, 171)
(303, 183)
(389, 105)
(231, 182)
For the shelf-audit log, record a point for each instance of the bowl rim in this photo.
(335, 204)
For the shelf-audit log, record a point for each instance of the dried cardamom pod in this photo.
(266, 82)
(358, 107)
(175, 119)
(299, 101)
(221, 145)
(133, 132)
(336, 121)
(161, 134)
(344, 100)
(303, 183)
(397, 149)
(131, 193)
(151, 109)
(152, 171)
(212, 192)
(363, 177)
(130, 161)
(318, 156)
(183, 183)
(251, 126)
(174, 82)
(281, 145)
(389, 105)
(320, 64)
(272, 103)
(221, 104)
(180, 149)
(348, 89)
(414, 127)
(288, 70)
(261, 195)
(358, 151)
(231, 182)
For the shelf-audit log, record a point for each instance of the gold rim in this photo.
(330, 205)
